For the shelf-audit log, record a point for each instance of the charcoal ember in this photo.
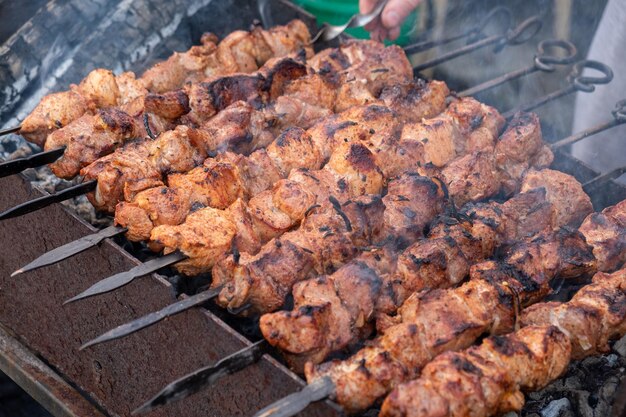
(620, 346)
(586, 390)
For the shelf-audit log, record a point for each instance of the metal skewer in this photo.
(473, 34)
(154, 317)
(47, 200)
(521, 34)
(543, 62)
(70, 249)
(577, 82)
(119, 280)
(10, 130)
(619, 117)
(204, 377)
(298, 401)
(602, 179)
(16, 166)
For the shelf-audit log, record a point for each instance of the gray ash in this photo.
(586, 390)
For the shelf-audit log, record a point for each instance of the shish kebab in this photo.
(407, 229)
(351, 74)
(118, 174)
(240, 51)
(429, 263)
(518, 35)
(352, 170)
(332, 313)
(490, 378)
(77, 246)
(242, 126)
(585, 83)
(327, 318)
(431, 322)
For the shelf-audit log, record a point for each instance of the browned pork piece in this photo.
(352, 170)
(242, 277)
(606, 232)
(269, 276)
(324, 320)
(92, 136)
(238, 52)
(594, 316)
(242, 128)
(431, 322)
(485, 380)
(220, 181)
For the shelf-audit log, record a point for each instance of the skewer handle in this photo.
(542, 62)
(577, 82)
(522, 33)
(473, 34)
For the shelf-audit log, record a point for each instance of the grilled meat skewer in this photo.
(489, 379)
(243, 128)
(352, 170)
(246, 277)
(489, 302)
(486, 379)
(92, 136)
(406, 228)
(219, 182)
(361, 160)
(240, 51)
(326, 320)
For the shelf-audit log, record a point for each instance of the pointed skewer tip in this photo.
(15, 273)
(71, 300)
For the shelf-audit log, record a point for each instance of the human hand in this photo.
(387, 26)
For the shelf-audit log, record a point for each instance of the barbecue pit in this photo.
(115, 378)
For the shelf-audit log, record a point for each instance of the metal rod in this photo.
(577, 82)
(619, 117)
(205, 377)
(119, 280)
(70, 249)
(154, 317)
(522, 33)
(18, 165)
(473, 33)
(603, 179)
(542, 62)
(298, 401)
(47, 200)
(10, 130)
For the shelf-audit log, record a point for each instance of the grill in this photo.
(40, 338)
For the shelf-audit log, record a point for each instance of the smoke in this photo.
(605, 151)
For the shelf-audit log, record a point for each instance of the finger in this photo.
(393, 34)
(366, 6)
(397, 11)
(375, 34)
(373, 24)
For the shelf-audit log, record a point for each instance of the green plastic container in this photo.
(337, 12)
